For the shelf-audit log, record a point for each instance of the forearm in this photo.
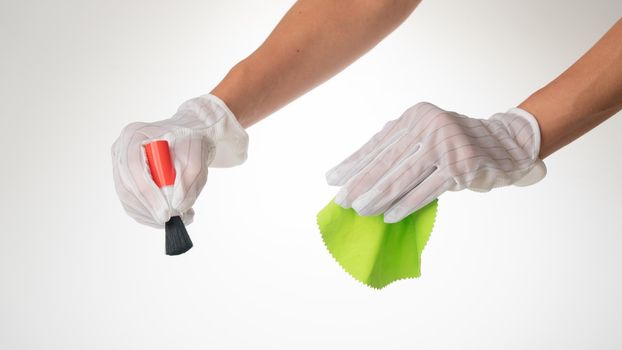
(315, 40)
(585, 95)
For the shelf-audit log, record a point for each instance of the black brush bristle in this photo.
(177, 239)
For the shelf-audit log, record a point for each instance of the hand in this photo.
(427, 151)
(203, 132)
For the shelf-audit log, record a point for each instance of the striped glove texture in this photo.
(428, 151)
(202, 133)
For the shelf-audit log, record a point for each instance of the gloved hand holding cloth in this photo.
(428, 151)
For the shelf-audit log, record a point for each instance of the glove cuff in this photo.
(538, 171)
(535, 127)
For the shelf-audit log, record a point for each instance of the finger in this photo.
(420, 113)
(133, 207)
(188, 216)
(341, 173)
(424, 193)
(395, 183)
(369, 176)
(134, 173)
(131, 204)
(146, 220)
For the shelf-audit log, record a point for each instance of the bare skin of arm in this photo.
(315, 40)
(585, 95)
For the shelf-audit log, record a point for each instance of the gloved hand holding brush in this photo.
(202, 133)
(427, 151)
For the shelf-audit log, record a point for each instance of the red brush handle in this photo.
(163, 173)
(160, 163)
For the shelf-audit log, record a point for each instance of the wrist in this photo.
(551, 111)
(233, 92)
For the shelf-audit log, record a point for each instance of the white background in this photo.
(536, 268)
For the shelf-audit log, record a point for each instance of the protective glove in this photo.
(203, 132)
(428, 151)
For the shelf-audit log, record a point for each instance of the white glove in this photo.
(427, 151)
(203, 132)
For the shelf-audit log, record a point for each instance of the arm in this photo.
(315, 40)
(585, 95)
(428, 150)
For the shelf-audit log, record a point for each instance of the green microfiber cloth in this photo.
(373, 252)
